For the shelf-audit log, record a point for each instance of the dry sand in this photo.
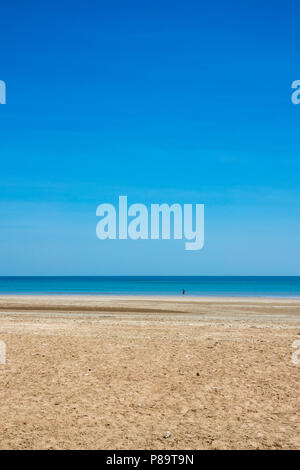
(120, 372)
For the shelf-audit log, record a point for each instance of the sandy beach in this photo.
(91, 372)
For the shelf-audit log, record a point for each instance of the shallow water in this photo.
(283, 286)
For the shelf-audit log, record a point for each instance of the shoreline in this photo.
(136, 296)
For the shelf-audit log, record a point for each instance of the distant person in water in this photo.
(183, 291)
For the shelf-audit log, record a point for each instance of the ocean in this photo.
(270, 286)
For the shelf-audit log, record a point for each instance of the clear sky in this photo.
(162, 101)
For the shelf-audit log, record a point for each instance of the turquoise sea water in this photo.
(283, 286)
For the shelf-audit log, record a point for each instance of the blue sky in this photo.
(168, 101)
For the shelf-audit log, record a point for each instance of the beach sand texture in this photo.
(91, 372)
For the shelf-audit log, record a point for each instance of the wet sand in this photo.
(91, 372)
